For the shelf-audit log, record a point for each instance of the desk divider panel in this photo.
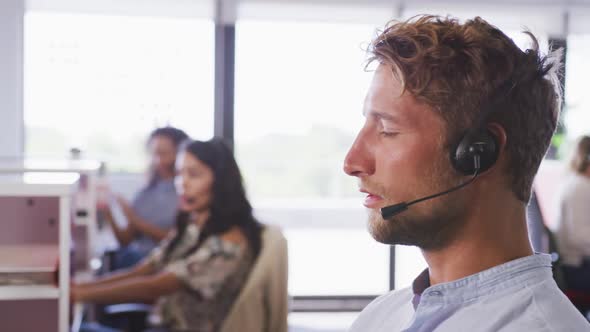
(29, 220)
(29, 316)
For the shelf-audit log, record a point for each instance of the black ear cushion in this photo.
(481, 142)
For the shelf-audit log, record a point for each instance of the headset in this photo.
(475, 152)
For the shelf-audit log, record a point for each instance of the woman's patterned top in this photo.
(212, 276)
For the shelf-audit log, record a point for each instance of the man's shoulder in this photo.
(395, 304)
(556, 310)
(398, 296)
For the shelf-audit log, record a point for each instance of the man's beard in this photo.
(429, 225)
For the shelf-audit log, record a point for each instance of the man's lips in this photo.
(371, 200)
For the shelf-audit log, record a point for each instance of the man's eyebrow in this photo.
(381, 115)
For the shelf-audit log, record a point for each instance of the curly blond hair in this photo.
(472, 74)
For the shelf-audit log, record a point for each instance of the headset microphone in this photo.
(393, 210)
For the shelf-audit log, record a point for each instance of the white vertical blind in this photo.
(154, 8)
(375, 12)
(540, 19)
(554, 18)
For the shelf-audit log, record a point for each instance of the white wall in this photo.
(11, 77)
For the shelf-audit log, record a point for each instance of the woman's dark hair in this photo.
(229, 205)
(177, 136)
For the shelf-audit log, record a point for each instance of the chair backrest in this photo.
(262, 305)
(542, 238)
(556, 259)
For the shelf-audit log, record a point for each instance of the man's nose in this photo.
(359, 160)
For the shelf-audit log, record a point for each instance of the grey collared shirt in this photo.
(158, 205)
(516, 296)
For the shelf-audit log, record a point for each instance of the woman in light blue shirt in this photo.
(151, 213)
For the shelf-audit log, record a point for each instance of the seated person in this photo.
(457, 121)
(151, 214)
(196, 273)
(573, 228)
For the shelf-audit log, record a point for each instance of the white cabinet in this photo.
(35, 216)
(83, 205)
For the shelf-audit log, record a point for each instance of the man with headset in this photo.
(458, 119)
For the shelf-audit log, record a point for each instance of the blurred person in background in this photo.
(151, 213)
(195, 274)
(573, 222)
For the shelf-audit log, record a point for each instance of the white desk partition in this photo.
(35, 241)
(84, 204)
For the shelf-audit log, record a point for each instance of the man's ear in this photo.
(501, 139)
(499, 134)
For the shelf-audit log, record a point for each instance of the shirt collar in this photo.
(421, 283)
(519, 272)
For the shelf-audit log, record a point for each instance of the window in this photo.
(299, 94)
(577, 111)
(102, 83)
